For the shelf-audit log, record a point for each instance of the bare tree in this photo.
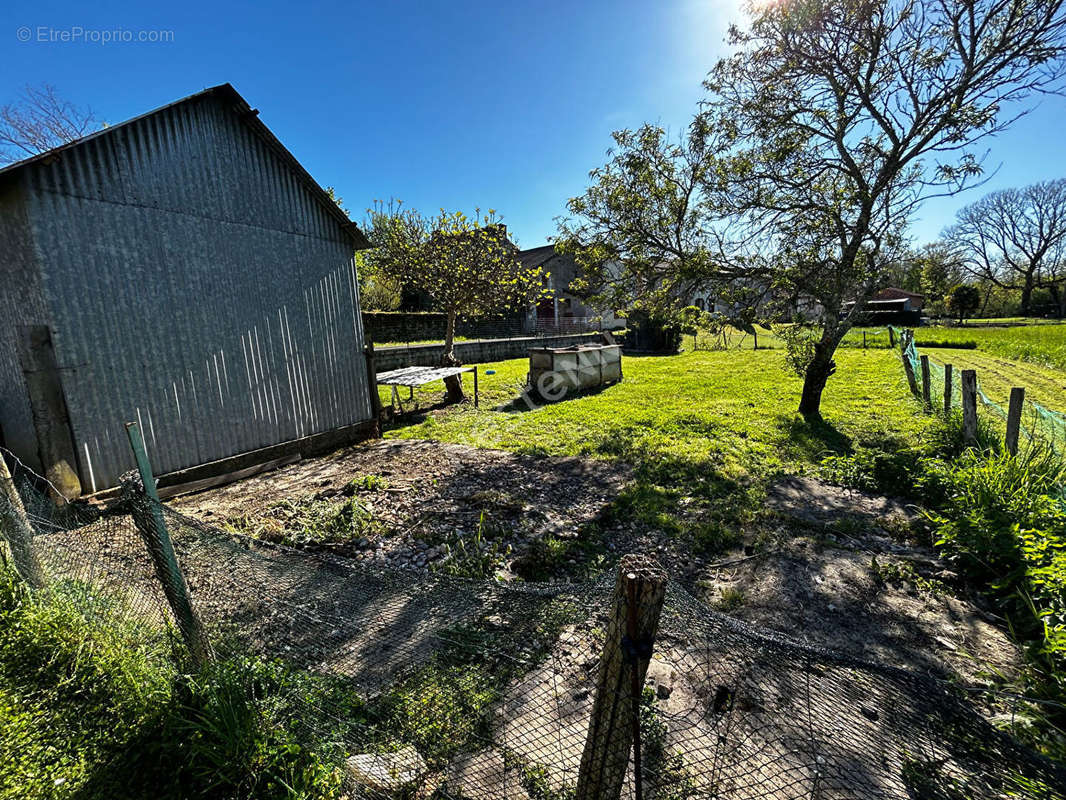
(1016, 239)
(40, 120)
(850, 113)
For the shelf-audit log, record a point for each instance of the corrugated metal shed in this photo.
(194, 279)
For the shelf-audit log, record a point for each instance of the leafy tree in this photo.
(645, 233)
(847, 114)
(40, 120)
(1016, 239)
(962, 301)
(466, 264)
(941, 269)
(825, 129)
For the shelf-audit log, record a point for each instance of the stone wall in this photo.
(478, 352)
(421, 326)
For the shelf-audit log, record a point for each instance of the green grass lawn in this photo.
(735, 411)
(706, 432)
(996, 376)
(1043, 345)
(768, 340)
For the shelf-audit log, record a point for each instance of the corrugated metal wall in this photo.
(197, 287)
(21, 303)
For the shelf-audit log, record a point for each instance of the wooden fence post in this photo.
(864, 340)
(16, 530)
(969, 405)
(1014, 418)
(638, 601)
(927, 396)
(948, 388)
(147, 513)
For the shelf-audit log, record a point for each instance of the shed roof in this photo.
(894, 293)
(248, 115)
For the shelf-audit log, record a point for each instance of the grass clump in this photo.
(92, 705)
(441, 710)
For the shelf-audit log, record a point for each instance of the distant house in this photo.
(893, 306)
(906, 301)
(565, 309)
(756, 292)
(180, 270)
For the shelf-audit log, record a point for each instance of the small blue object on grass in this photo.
(490, 372)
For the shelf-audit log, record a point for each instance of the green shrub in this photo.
(1005, 527)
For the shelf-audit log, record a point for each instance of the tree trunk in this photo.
(816, 376)
(454, 384)
(1027, 296)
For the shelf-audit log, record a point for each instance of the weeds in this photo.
(92, 706)
(473, 556)
(730, 599)
(439, 710)
(903, 573)
(665, 773)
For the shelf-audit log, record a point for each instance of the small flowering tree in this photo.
(465, 264)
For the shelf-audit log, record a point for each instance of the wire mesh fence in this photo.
(444, 687)
(1039, 425)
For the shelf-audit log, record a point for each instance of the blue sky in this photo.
(503, 105)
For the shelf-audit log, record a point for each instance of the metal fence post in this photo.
(1014, 418)
(948, 388)
(147, 514)
(969, 405)
(16, 530)
(614, 725)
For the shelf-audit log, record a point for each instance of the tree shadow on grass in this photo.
(814, 439)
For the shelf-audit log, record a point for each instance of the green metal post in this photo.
(148, 516)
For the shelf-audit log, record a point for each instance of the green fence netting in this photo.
(1040, 425)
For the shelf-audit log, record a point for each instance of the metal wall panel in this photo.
(197, 287)
(21, 303)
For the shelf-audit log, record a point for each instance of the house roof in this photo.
(537, 256)
(247, 114)
(892, 293)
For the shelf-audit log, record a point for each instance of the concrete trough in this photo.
(556, 371)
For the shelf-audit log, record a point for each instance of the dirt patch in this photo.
(834, 567)
(842, 571)
(428, 499)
